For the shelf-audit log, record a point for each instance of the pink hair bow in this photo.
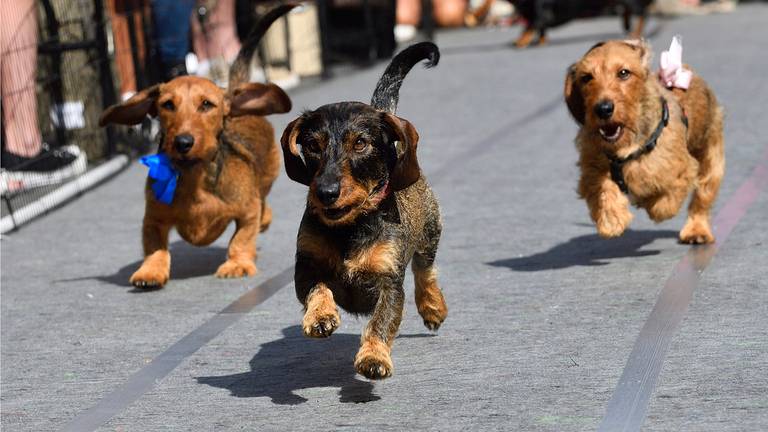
(671, 71)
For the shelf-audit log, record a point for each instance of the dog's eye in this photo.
(361, 144)
(624, 74)
(168, 105)
(206, 106)
(586, 78)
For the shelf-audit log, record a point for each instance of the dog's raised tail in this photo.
(387, 91)
(239, 72)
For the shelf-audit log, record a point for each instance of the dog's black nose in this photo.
(604, 109)
(328, 193)
(183, 143)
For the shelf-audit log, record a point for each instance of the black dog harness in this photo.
(617, 164)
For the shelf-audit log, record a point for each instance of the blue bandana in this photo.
(163, 174)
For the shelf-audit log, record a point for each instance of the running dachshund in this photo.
(369, 213)
(219, 152)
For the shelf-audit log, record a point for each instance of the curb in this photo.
(63, 194)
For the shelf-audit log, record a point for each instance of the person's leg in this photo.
(123, 51)
(26, 162)
(172, 33)
(407, 17)
(408, 12)
(199, 43)
(18, 58)
(450, 13)
(221, 32)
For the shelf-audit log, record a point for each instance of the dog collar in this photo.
(617, 164)
(380, 191)
(163, 173)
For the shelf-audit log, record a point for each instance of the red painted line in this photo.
(737, 206)
(628, 406)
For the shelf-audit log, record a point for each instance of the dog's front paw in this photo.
(696, 232)
(373, 360)
(434, 321)
(150, 276)
(236, 269)
(431, 304)
(319, 323)
(612, 224)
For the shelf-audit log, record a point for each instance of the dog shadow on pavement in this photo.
(587, 250)
(296, 362)
(187, 262)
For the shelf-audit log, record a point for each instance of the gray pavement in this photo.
(543, 313)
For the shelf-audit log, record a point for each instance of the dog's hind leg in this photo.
(542, 37)
(156, 268)
(429, 298)
(373, 359)
(241, 253)
(266, 216)
(711, 157)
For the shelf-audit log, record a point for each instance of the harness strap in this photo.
(617, 164)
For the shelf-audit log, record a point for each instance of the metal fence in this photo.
(72, 46)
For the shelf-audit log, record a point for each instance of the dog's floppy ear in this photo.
(407, 169)
(258, 99)
(133, 110)
(294, 165)
(644, 48)
(573, 97)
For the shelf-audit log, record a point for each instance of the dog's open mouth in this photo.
(611, 132)
(336, 213)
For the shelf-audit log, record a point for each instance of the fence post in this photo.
(57, 92)
(105, 72)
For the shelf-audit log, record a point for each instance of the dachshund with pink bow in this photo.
(645, 138)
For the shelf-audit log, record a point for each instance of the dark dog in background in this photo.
(369, 213)
(226, 157)
(541, 15)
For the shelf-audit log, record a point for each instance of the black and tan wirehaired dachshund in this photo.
(369, 213)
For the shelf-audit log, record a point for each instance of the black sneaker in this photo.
(51, 166)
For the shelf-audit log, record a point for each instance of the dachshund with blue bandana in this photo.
(216, 162)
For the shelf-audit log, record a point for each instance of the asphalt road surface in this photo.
(550, 327)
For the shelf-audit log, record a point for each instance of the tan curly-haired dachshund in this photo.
(642, 142)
